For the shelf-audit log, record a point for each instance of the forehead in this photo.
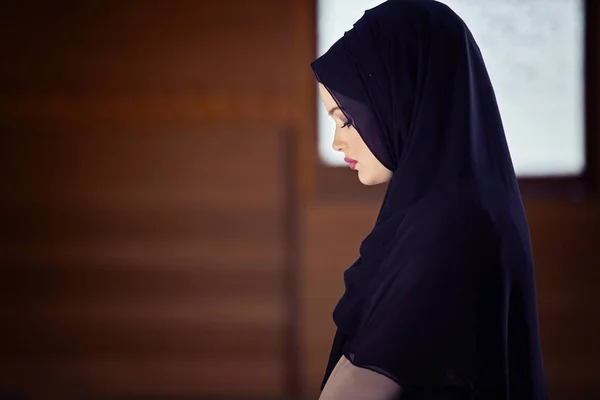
(326, 97)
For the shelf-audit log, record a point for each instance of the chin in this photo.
(370, 180)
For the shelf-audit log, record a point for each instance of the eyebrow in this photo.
(334, 109)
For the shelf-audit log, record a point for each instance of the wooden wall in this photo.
(143, 202)
(147, 197)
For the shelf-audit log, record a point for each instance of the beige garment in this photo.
(349, 382)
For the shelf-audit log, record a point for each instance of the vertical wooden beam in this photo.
(302, 163)
(291, 269)
(304, 51)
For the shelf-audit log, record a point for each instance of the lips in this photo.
(352, 163)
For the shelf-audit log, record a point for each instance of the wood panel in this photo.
(565, 237)
(158, 46)
(142, 263)
(141, 244)
(133, 108)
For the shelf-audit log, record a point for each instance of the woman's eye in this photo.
(346, 124)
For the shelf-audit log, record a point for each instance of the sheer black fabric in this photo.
(442, 298)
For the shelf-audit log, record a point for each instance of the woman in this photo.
(441, 303)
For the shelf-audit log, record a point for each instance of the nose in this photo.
(338, 144)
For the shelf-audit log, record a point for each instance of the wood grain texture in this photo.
(129, 259)
(141, 244)
(154, 46)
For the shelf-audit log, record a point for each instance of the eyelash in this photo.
(346, 124)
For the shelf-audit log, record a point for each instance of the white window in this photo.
(534, 52)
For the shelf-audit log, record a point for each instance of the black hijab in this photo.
(442, 298)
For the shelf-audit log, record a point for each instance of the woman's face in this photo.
(356, 153)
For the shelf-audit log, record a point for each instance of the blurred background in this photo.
(168, 229)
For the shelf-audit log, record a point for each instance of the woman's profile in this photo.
(441, 303)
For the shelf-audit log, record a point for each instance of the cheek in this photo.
(357, 145)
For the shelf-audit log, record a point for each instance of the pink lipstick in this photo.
(352, 163)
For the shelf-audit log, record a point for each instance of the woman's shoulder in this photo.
(459, 216)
